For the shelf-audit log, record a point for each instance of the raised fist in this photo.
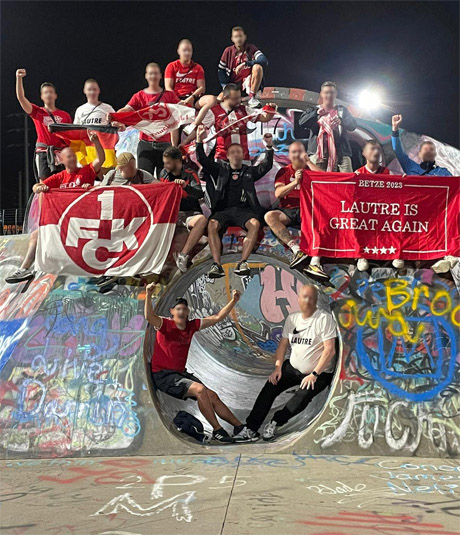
(396, 120)
(20, 73)
(236, 294)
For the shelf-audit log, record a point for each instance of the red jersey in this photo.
(380, 171)
(172, 344)
(220, 118)
(232, 57)
(185, 77)
(42, 119)
(141, 99)
(285, 176)
(64, 179)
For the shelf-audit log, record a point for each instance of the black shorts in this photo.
(175, 384)
(293, 214)
(234, 217)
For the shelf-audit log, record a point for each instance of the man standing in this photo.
(329, 124)
(190, 214)
(48, 145)
(93, 111)
(311, 333)
(169, 374)
(287, 190)
(243, 64)
(126, 173)
(233, 199)
(72, 177)
(150, 150)
(427, 154)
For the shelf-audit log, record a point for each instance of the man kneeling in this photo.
(311, 334)
(170, 353)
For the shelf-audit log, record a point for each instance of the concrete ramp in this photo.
(74, 379)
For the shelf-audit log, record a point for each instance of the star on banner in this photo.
(383, 250)
(366, 250)
(375, 250)
(392, 250)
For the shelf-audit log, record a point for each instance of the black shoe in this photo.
(216, 271)
(243, 269)
(102, 281)
(222, 436)
(20, 275)
(298, 259)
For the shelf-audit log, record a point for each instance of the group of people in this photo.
(231, 196)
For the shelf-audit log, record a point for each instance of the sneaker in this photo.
(445, 264)
(316, 271)
(102, 281)
(182, 262)
(254, 103)
(397, 263)
(246, 435)
(299, 257)
(362, 264)
(20, 275)
(270, 430)
(243, 269)
(216, 271)
(222, 436)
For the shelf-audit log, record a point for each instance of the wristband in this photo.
(314, 373)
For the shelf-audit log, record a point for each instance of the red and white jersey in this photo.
(221, 118)
(232, 58)
(380, 171)
(185, 77)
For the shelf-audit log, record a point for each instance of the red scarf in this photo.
(325, 128)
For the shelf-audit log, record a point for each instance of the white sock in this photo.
(316, 261)
(294, 246)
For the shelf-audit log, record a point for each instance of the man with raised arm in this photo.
(328, 125)
(311, 334)
(150, 150)
(173, 338)
(243, 64)
(72, 177)
(230, 188)
(48, 145)
(287, 189)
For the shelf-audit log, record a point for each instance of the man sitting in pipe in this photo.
(311, 333)
(173, 338)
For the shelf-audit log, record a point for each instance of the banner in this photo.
(76, 137)
(158, 119)
(115, 230)
(380, 217)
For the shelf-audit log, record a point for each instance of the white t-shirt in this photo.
(306, 337)
(89, 114)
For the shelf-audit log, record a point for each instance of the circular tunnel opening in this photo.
(235, 357)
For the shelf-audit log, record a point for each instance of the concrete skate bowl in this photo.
(235, 357)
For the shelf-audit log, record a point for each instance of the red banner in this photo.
(380, 217)
(115, 230)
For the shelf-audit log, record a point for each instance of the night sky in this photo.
(410, 50)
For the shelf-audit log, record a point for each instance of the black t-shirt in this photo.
(235, 196)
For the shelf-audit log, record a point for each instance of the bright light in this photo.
(369, 100)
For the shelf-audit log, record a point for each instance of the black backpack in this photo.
(191, 426)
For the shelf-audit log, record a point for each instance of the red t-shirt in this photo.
(285, 176)
(64, 179)
(220, 118)
(172, 344)
(380, 171)
(42, 120)
(185, 77)
(141, 99)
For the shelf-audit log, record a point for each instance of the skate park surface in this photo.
(89, 447)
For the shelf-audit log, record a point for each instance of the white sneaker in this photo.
(253, 102)
(397, 263)
(246, 435)
(182, 261)
(362, 264)
(445, 264)
(270, 430)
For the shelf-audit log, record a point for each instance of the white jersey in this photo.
(306, 337)
(89, 114)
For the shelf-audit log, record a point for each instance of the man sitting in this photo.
(127, 173)
(243, 64)
(233, 199)
(190, 213)
(172, 344)
(72, 177)
(311, 333)
(287, 190)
